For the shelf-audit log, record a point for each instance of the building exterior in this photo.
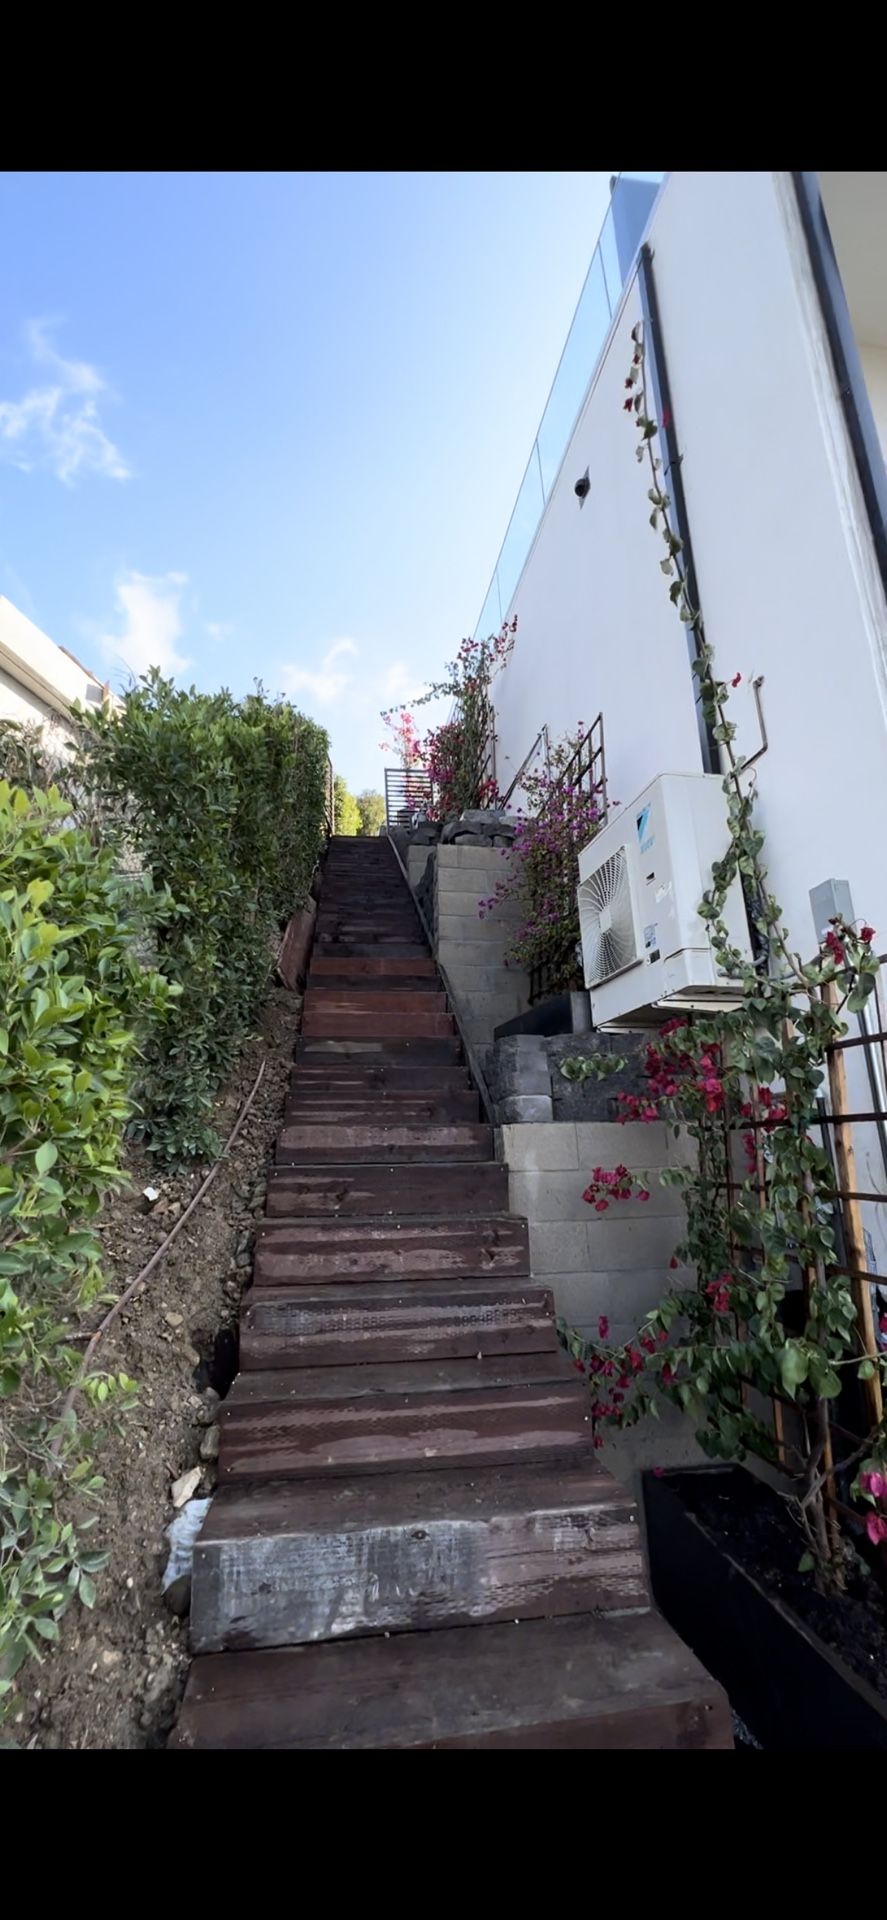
(764, 302)
(39, 682)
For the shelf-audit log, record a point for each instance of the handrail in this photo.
(541, 735)
(468, 1050)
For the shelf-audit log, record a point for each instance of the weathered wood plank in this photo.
(327, 1144)
(285, 1565)
(582, 1682)
(340, 1026)
(288, 1327)
(458, 1190)
(310, 1109)
(291, 1254)
(377, 1433)
(422, 967)
(293, 1386)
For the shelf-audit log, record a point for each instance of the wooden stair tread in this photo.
(299, 1561)
(392, 1321)
(380, 1432)
(582, 1681)
(351, 1381)
(381, 1191)
(291, 1253)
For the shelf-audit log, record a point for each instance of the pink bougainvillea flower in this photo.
(876, 1528)
(600, 1206)
(867, 935)
(627, 406)
(882, 1323)
(658, 1472)
(667, 1376)
(603, 1327)
(643, 1194)
(673, 1262)
(579, 1366)
(874, 1483)
(736, 679)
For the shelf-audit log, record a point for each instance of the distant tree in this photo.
(371, 808)
(346, 808)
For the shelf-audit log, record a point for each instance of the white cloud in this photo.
(327, 683)
(151, 623)
(219, 629)
(57, 425)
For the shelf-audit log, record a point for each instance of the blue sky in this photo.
(273, 425)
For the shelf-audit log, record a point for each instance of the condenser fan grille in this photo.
(609, 942)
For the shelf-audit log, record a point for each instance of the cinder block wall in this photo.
(614, 1263)
(473, 950)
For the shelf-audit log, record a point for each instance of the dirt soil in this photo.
(119, 1671)
(750, 1520)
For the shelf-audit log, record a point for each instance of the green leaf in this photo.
(806, 1563)
(86, 1590)
(793, 1367)
(46, 1156)
(46, 1628)
(865, 1370)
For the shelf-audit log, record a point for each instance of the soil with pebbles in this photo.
(117, 1676)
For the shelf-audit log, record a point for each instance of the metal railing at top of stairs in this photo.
(473, 1063)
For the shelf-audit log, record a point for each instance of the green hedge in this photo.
(223, 803)
(74, 1003)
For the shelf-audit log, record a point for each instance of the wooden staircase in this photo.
(412, 1544)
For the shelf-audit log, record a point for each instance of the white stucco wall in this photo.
(874, 366)
(38, 680)
(781, 543)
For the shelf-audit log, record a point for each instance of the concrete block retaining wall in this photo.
(614, 1263)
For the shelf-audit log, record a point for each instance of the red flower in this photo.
(667, 1376)
(600, 1206)
(643, 1194)
(736, 679)
(658, 1472)
(603, 1327)
(627, 406)
(579, 1366)
(835, 947)
(876, 1528)
(673, 1262)
(598, 1440)
(867, 934)
(873, 1483)
(882, 1323)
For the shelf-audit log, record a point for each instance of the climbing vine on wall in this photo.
(762, 1312)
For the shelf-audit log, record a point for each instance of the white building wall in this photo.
(874, 366)
(38, 680)
(781, 543)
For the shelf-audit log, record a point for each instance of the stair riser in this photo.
(381, 1026)
(424, 1083)
(373, 1001)
(300, 1256)
(378, 1054)
(382, 1108)
(422, 1431)
(323, 967)
(457, 1191)
(300, 1588)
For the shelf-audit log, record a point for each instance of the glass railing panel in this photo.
(521, 529)
(491, 618)
(584, 342)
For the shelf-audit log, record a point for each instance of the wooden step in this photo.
(379, 1052)
(378, 1433)
(374, 1000)
(345, 979)
(292, 1327)
(294, 1562)
(422, 967)
(585, 1682)
(350, 1075)
(328, 948)
(401, 1109)
(461, 1191)
(342, 1026)
(306, 1145)
(288, 1253)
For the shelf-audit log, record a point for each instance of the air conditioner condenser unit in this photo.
(641, 880)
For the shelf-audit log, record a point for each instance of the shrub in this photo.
(74, 1003)
(458, 754)
(223, 803)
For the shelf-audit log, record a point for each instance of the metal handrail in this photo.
(542, 735)
(470, 1055)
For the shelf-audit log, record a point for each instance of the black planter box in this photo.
(793, 1693)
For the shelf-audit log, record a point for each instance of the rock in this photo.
(209, 1445)
(111, 1658)
(208, 1403)
(182, 1489)
(174, 1319)
(178, 1595)
(473, 839)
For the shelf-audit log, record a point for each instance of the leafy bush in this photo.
(73, 1004)
(459, 754)
(223, 803)
(347, 818)
(371, 807)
